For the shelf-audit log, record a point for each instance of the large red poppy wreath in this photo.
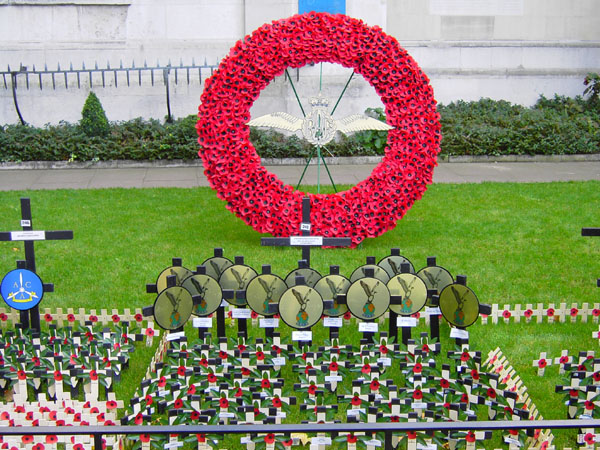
(257, 196)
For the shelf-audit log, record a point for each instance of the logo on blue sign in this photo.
(21, 289)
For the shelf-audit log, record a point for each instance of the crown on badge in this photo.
(319, 101)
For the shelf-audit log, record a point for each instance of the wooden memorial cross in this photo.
(306, 240)
(31, 318)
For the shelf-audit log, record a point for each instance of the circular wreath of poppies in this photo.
(259, 197)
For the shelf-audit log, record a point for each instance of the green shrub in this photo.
(558, 125)
(93, 118)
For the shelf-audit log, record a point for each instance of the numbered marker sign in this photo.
(22, 289)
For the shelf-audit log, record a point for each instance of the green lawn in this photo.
(517, 243)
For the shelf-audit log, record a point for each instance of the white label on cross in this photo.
(433, 311)
(321, 440)
(333, 378)
(301, 335)
(25, 223)
(241, 313)
(374, 442)
(306, 240)
(202, 322)
(333, 322)
(408, 322)
(27, 235)
(271, 322)
(457, 333)
(173, 444)
(278, 361)
(305, 226)
(369, 327)
(386, 362)
(175, 336)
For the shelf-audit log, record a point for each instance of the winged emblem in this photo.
(318, 127)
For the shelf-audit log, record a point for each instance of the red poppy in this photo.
(347, 315)
(270, 438)
(201, 437)
(149, 332)
(19, 409)
(178, 404)
(21, 375)
(145, 437)
(425, 348)
(78, 447)
(223, 403)
(444, 384)
(288, 443)
(223, 355)
(93, 375)
(93, 318)
(333, 366)
(351, 438)
(470, 437)
(149, 400)
(596, 312)
(111, 404)
(3, 317)
(366, 369)
(260, 355)
(574, 393)
(51, 439)
(195, 415)
(589, 405)
(374, 385)
(162, 382)
(506, 314)
(528, 313)
(356, 400)
(590, 438)
(383, 349)
(464, 357)
(417, 394)
(550, 312)
(181, 371)
(138, 317)
(574, 312)
(276, 402)
(475, 374)
(211, 377)
(265, 383)
(27, 439)
(418, 368)
(312, 389)
(38, 446)
(48, 317)
(139, 419)
(71, 317)
(276, 349)
(411, 434)
(245, 371)
(394, 419)
(116, 318)
(464, 398)
(491, 393)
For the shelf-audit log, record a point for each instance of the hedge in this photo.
(486, 127)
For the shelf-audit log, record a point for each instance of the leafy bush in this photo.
(559, 125)
(93, 118)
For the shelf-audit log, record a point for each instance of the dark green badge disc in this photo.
(436, 278)
(173, 307)
(216, 266)
(311, 276)
(413, 292)
(459, 305)
(329, 286)
(207, 288)
(368, 298)
(181, 273)
(300, 306)
(378, 273)
(393, 263)
(237, 278)
(264, 290)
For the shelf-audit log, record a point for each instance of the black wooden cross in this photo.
(28, 235)
(306, 240)
(591, 232)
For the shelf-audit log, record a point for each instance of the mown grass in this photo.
(517, 243)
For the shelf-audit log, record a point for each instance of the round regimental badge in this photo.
(412, 290)
(208, 289)
(180, 274)
(263, 294)
(393, 265)
(311, 276)
(368, 298)
(329, 287)
(216, 266)
(173, 307)
(301, 306)
(436, 278)
(361, 272)
(22, 289)
(459, 305)
(236, 278)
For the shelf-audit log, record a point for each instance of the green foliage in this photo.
(93, 118)
(558, 125)
(592, 83)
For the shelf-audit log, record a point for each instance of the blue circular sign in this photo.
(22, 289)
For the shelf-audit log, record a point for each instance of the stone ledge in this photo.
(356, 160)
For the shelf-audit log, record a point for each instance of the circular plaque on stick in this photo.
(173, 307)
(237, 278)
(207, 288)
(459, 305)
(301, 306)
(368, 298)
(392, 264)
(311, 276)
(180, 273)
(264, 290)
(329, 287)
(413, 292)
(436, 278)
(361, 272)
(216, 266)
